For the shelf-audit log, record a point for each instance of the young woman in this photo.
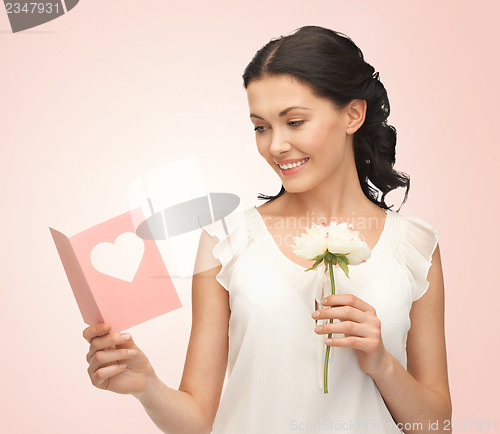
(319, 112)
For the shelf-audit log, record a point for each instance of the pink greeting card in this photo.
(117, 276)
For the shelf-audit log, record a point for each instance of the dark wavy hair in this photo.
(334, 67)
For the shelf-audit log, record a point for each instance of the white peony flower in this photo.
(311, 243)
(342, 239)
(338, 239)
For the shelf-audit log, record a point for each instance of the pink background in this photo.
(98, 97)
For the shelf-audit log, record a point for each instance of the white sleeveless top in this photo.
(276, 360)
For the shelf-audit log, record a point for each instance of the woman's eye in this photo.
(261, 128)
(258, 129)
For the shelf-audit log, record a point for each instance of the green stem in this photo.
(327, 355)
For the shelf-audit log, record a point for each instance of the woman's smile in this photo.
(292, 169)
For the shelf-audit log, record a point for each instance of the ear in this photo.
(355, 115)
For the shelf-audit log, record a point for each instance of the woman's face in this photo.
(291, 125)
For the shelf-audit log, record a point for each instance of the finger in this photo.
(348, 328)
(106, 358)
(109, 341)
(349, 341)
(103, 374)
(96, 330)
(347, 300)
(343, 313)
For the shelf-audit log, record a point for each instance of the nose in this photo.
(279, 143)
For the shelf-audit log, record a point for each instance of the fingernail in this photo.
(323, 301)
(132, 352)
(126, 337)
(316, 314)
(318, 329)
(105, 328)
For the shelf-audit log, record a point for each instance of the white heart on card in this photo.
(120, 259)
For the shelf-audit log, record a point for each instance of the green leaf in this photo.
(320, 257)
(343, 262)
(318, 261)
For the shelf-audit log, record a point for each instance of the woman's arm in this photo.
(193, 407)
(172, 411)
(421, 393)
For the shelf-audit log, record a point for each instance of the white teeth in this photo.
(289, 166)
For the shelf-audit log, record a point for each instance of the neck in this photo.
(340, 197)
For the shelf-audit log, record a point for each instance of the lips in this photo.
(293, 170)
(282, 162)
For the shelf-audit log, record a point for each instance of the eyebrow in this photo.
(282, 113)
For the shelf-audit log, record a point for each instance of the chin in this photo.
(297, 188)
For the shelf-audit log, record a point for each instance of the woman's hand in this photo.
(361, 327)
(106, 357)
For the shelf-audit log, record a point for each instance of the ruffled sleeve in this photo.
(418, 240)
(233, 238)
